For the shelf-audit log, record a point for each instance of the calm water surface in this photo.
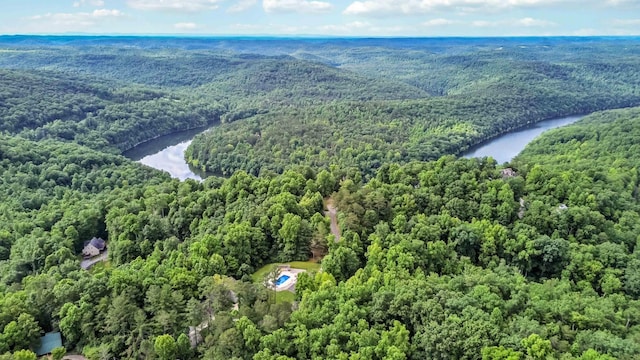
(167, 152)
(506, 146)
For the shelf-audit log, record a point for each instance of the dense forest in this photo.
(478, 95)
(114, 98)
(97, 113)
(438, 258)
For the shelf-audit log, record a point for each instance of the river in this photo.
(167, 152)
(506, 146)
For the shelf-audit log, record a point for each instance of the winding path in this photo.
(74, 357)
(86, 264)
(332, 213)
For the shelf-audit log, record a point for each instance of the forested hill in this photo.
(598, 160)
(227, 75)
(441, 259)
(100, 114)
(608, 139)
(486, 94)
(438, 263)
(107, 97)
(292, 87)
(436, 259)
(52, 200)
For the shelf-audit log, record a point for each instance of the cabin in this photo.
(49, 342)
(508, 173)
(93, 247)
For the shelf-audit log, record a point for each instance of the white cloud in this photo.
(96, 3)
(242, 5)
(60, 22)
(80, 16)
(531, 22)
(185, 26)
(416, 7)
(524, 22)
(438, 22)
(300, 6)
(174, 5)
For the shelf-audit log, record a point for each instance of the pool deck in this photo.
(290, 283)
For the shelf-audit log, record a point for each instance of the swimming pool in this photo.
(282, 279)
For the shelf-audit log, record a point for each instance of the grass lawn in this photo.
(284, 296)
(259, 275)
(306, 265)
(100, 267)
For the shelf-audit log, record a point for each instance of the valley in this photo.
(205, 161)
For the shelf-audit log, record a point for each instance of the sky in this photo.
(323, 17)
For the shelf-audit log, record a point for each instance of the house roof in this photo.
(98, 243)
(508, 172)
(49, 342)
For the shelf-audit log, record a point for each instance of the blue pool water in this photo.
(282, 279)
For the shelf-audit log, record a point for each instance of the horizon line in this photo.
(307, 36)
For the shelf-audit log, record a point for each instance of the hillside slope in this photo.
(93, 112)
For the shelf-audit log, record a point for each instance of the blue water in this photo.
(167, 153)
(506, 146)
(282, 279)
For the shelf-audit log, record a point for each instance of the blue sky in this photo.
(323, 17)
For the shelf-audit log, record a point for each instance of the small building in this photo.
(93, 247)
(508, 173)
(49, 342)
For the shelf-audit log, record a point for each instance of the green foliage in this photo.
(58, 353)
(22, 333)
(536, 347)
(168, 243)
(24, 355)
(456, 282)
(486, 94)
(165, 347)
(90, 111)
(500, 353)
(436, 260)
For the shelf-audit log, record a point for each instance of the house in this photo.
(49, 342)
(93, 247)
(508, 173)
